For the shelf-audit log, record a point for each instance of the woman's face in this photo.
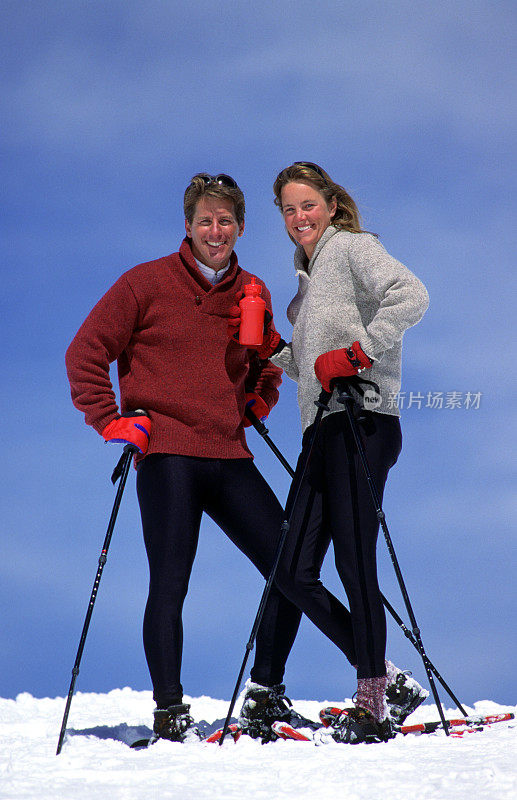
(306, 214)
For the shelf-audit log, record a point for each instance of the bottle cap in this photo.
(252, 289)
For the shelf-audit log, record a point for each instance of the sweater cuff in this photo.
(101, 423)
(278, 349)
(370, 348)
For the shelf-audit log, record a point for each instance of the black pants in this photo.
(335, 505)
(173, 492)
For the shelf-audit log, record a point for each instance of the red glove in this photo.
(259, 407)
(131, 428)
(270, 341)
(340, 364)
(234, 318)
(271, 338)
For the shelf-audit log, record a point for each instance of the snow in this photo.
(97, 763)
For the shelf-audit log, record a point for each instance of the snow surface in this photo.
(97, 763)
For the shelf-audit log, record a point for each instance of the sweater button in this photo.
(198, 301)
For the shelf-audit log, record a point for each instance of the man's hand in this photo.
(341, 364)
(259, 407)
(272, 339)
(234, 318)
(134, 427)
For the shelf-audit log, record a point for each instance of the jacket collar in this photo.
(300, 259)
(189, 263)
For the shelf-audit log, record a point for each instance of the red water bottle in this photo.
(252, 306)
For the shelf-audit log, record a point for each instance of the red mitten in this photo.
(234, 318)
(259, 407)
(340, 364)
(270, 341)
(131, 428)
(271, 338)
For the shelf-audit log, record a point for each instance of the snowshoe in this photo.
(356, 725)
(174, 723)
(264, 705)
(285, 731)
(403, 695)
(234, 732)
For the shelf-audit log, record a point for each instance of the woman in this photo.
(353, 304)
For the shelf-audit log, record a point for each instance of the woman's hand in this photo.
(341, 363)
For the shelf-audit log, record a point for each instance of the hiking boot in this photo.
(174, 723)
(264, 705)
(403, 694)
(356, 725)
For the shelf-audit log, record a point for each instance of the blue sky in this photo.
(109, 108)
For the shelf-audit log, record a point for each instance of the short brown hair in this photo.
(198, 188)
(347, 216)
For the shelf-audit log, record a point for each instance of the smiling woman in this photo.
(353, 305)
(306, 214)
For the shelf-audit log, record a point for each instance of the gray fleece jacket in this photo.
(351, 290)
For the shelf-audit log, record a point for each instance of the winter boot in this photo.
(174, 723)
(356, 725)
(264, 705)
(403, 694)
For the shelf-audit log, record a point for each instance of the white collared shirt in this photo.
(210, 274)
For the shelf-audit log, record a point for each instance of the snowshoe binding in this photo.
(264, 705)
(174, 723)
(356, 725)
(403, 695)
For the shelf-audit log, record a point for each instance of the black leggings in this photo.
(335, 505)
(173, 491)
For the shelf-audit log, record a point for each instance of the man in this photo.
(166, 324)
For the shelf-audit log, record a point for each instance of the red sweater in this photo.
(166, 326)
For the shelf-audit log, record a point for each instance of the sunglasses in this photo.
(221, 180)
(312, 166)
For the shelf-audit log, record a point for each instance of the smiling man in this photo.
(165, 322)
(213, 229)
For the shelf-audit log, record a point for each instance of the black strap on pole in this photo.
(121, 471)
(346, 398)
(262, 430)
(321, 404)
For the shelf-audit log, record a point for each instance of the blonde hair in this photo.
(198, 187)
(346, 218)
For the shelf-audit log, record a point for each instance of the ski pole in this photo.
(347, 400)
(263, 431)
(121, 471)
(411, 638)
(321, 404)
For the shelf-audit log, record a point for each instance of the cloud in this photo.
(376, 70)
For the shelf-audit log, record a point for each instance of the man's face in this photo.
(214, 231)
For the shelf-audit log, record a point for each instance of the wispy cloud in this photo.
(373, 69)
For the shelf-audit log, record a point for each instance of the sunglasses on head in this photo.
(221, 180)
(312, 166)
